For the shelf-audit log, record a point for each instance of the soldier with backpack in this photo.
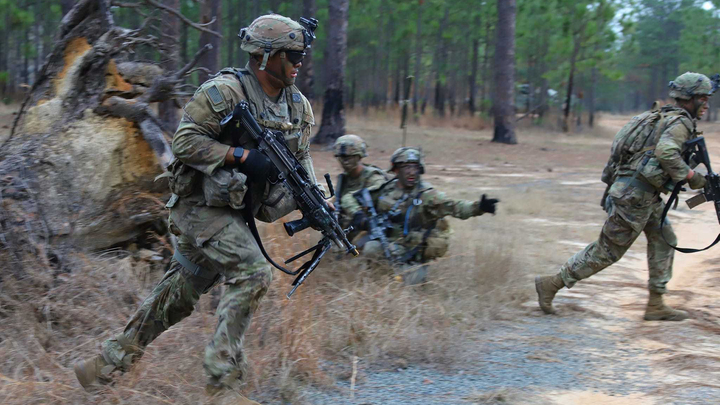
(646, 161)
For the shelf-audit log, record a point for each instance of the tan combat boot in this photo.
(546, 288)
(93, 372)
(656, 310)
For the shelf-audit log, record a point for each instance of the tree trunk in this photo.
(504, 67)
(36, 38)
(333, 116)
(170, 27)
(26, 62)
(232, 26)
(472, 79)
(483, 88)
(571, 77)
(210, 9)
(591, 97)
(418, 56)
(307, 74)
(184, 44)
(441, 57)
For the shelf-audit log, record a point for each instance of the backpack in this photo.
(638, 136)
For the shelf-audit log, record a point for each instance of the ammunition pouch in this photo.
(279, 202)
(225, 188)
(182, 178)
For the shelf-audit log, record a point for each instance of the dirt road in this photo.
(597, 350)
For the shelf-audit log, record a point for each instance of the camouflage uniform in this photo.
(419, 212)
(634, 206)
(632, 209)
(419, 231)
(216, 238)
(371, 177)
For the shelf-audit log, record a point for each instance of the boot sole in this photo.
(674, 318)
(550, 311)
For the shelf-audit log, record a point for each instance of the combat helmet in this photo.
(350, 145)
(271, 33)
(408, 155)
(690, 84)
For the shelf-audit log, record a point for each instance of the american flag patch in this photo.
(214, 95)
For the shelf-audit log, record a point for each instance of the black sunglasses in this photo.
(294, 57)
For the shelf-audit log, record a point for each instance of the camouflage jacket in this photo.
(665, 165)
(371, 177)
(201, 142)
(421, 209)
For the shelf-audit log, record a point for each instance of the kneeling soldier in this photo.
(349, 151)
(413, 212)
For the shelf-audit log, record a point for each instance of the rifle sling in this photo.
(247, 213)
(674, 198)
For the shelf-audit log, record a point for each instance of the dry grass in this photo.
(347, 308)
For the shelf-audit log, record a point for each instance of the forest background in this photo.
(597, 54)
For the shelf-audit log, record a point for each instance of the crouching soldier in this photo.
(349, 151)
(413, 215)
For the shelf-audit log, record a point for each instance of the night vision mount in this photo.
(310, 25)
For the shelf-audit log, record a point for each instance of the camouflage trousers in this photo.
(231, 252)
(436, 246)
(630, 212)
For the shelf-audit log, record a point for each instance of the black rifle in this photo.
(697, 152)
(377, 224)
(711, 192)
(307, 195)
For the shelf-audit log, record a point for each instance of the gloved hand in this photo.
(488, 204)
(697, 181)
(258, 167)
(359, 221)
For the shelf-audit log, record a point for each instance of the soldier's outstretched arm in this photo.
(439, 205)
(669, 149)
(195, 141)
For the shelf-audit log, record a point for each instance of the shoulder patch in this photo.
(214, 95)
(296, 98)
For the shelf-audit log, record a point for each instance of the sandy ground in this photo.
(598, 350)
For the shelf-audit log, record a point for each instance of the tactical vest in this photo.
(289, 115)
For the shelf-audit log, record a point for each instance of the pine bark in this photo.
(472, 79)
(170, 31)
(418, 56)
(210, 9)
(333, 116)
(307, 73)
(504, 67)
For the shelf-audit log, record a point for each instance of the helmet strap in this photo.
(265, 60)
(268, 49)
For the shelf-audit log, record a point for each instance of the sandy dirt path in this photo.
(598, 350)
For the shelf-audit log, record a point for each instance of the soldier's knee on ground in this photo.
(372, 249)
(436, 247)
